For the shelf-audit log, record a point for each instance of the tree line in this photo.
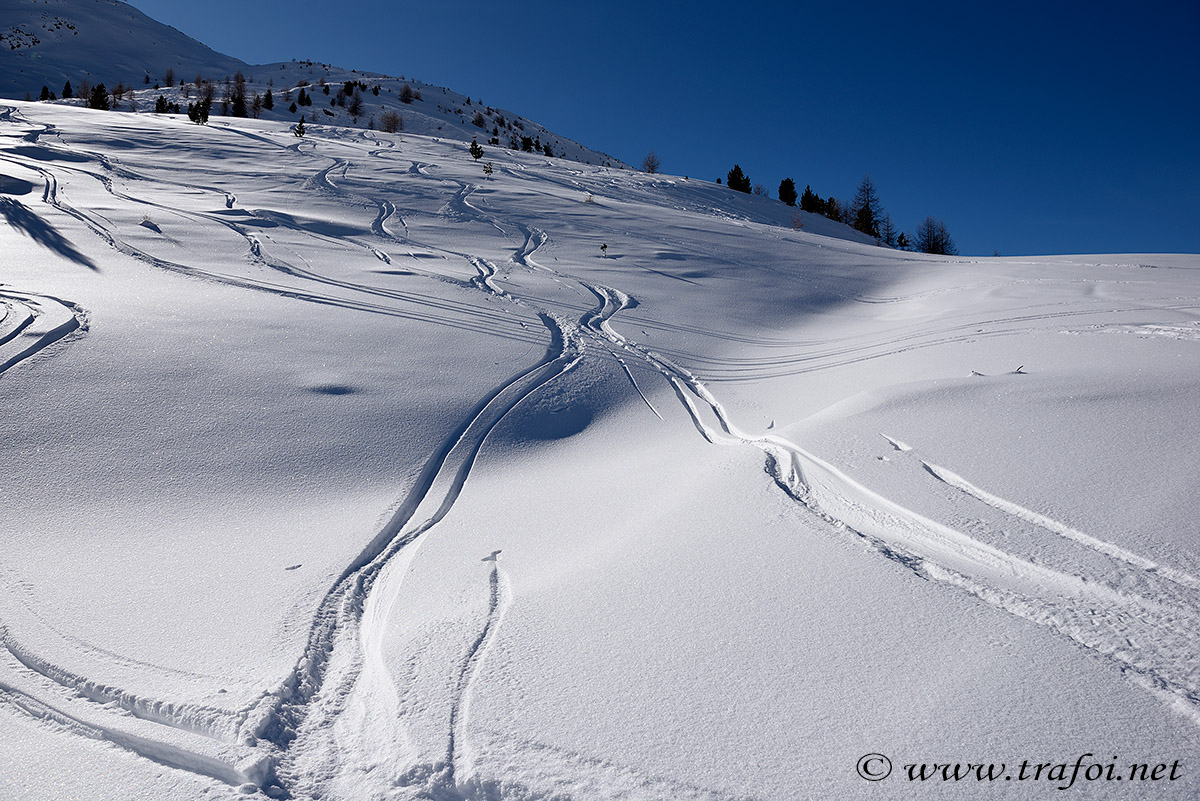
(865, 212)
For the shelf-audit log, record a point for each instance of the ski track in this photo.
(33, 323)
(273, 743)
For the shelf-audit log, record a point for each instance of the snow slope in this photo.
(339, 470)
(50, 42)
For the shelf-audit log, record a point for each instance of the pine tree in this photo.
(161, 106)
(299, 129)
(45, 93)
(407, 94)
(902, 241)
(736, 179)
(651, 163)
(787, 191)
(99, 98)
(269, 100)
(476, 150)
(811, 201)
(487, 169)
(66, 93)
(832, 209)
(198, 113)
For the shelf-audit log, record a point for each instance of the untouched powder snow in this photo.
(340, 470)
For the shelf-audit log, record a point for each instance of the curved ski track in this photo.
(272, 743)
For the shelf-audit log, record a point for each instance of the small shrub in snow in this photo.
(391, 122)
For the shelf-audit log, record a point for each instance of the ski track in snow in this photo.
(31, 323)
(283, 742)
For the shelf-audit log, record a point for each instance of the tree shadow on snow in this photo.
(40, 231)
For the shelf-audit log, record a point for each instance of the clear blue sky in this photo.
(1029, 127)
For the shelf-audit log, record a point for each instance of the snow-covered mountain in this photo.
(50, 42)
(46, 43)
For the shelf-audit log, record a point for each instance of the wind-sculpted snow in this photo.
(408, 366)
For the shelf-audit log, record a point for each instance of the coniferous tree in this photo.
(902, 241)
(299, 129)
(407, 94)
(866, 209)
(161, 106)
(268, 100)
(832, 209)
(198, 112)
(476, 150)
(169, 77)
(652, 163)
(99, 98)
(887, 231)
(66, 93)
(292, 108)
(736, 179)
(811, 201)
(787, 191)
(237, 95)
(45, 93)
(932, 237)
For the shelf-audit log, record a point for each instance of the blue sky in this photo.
(1029, 127)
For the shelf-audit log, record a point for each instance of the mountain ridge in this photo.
(45, 43)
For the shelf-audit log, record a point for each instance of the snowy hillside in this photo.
(47, 43)
(341, 470)
(50, 42)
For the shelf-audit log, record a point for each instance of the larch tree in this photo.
(932, 237)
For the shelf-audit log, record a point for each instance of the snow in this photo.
(339, 470)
